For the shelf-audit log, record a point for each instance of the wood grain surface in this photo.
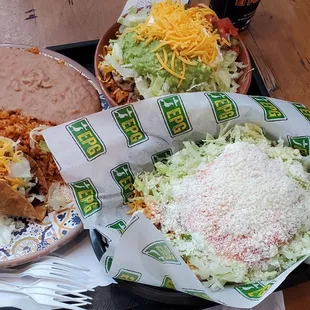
(46, 22)
(278, 41)
(277, 38)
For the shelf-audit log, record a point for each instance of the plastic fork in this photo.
(56, 260)
(49, 293)
(52, 270)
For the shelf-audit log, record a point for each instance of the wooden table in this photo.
(277, 39)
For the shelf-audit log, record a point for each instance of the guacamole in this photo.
(145, 63)
(132, 70)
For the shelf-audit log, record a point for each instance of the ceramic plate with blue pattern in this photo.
(32, 239)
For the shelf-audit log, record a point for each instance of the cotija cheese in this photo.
(243, 203)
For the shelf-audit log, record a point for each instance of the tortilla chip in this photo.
(14, 204)
(37, 172)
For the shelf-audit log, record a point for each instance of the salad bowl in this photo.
(244, 80)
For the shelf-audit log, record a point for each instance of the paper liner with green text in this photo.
(100, 154)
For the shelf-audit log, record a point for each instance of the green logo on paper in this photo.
(303, 110)
(131, 222)
(119, 225)
(128, 275)
(271, 112)
(129, 124)
(301, 143)
(160, 251)
(161, 156)
(167, 283)
(197, 293)
(223, 107)
(253, 291)
(108, 263)
(174, 114)
(86, 138)
(123, 177)
(86, 196)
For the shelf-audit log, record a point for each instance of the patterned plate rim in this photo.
(31, 257)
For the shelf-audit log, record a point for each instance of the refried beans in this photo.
(44, 88)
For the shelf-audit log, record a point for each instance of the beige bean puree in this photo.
(43, 87)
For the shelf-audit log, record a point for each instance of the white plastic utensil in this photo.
(49, 293)
(52, 269)
(56, 260)
(61, 287)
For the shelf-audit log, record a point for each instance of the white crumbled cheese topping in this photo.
(244, 204)
(7, 226)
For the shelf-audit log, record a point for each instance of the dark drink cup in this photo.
(240, 12)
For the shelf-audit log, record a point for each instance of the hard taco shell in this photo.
(37, 172)
(14, 204)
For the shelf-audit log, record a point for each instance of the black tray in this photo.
(125, 294)
(299, 275)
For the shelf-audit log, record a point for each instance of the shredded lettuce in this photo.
(117, 53)
(123, 71)
(43, 146)
(7, 226)
(36, 132)
(133, 18)
(157, 187)
(152, 86)
(55, 197)
(143, 87)
(20, 169)
(228, 72)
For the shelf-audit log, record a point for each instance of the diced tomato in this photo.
(208, 18)
(227, 28)
(224, 34)
(236, 49)
(212, 20)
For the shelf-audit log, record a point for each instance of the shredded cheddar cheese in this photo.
(138, 204)
(8, 154)
(188, 33)
(167, 68)
(15, 183)
(172, 61)
(224, 41)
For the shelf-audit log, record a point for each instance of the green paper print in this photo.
(174, 115)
